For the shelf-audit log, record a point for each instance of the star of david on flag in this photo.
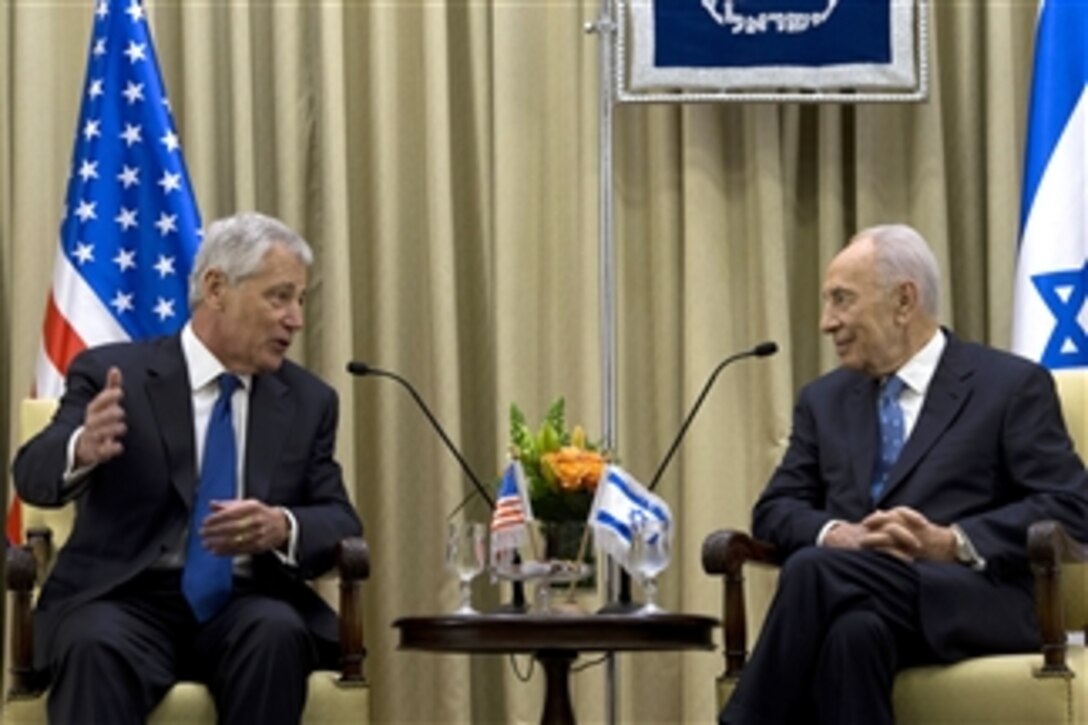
(1049, 315)
(130, 227)
(619, 502)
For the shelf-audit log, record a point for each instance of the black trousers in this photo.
(115, 658)
(841, 624)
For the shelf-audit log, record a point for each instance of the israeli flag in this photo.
(1049, 316)
(619, 504)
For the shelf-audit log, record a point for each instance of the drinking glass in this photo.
(465, 557)
(650, 540)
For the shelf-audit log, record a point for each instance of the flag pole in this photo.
(605, 29)
(583, 545)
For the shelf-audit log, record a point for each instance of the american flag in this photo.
(130, 226)
(512, 512)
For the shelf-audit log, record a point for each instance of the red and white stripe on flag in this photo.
(513, 511)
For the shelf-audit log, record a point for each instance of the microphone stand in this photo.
(624, 603)
(517, 603)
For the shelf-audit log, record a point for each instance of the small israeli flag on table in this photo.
(619, 503)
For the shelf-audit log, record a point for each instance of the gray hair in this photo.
(236, 245)
(903, 255)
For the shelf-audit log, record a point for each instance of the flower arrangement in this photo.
(562, 467)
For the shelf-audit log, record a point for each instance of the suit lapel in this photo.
(862, 421)
(270, 412)
(171, 404)
(948, 391)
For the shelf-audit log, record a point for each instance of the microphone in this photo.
(623, 603)
(763, 349)
(362, 369)
(517, 603)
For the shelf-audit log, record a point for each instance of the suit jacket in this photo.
(133, 508)
(989, 452)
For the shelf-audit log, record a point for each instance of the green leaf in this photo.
(547, 439)
(522, 437)
(556, 418)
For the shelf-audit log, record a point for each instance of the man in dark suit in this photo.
(903, 500)
(118, 620)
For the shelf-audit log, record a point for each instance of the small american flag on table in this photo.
(513, 512)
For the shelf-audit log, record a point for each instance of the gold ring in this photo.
(239, 538)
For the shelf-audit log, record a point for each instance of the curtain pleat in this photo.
(442, 158)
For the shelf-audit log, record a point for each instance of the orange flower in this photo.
(575, 468)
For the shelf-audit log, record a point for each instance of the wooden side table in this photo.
(556, 641)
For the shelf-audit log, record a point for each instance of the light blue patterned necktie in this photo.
(207, 579)
(891, 431)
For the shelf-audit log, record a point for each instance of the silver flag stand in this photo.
(605, 28)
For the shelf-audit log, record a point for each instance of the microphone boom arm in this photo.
(761, 350)
(363, 369)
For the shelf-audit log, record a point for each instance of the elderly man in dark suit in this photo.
(903, 500)
(202, 468)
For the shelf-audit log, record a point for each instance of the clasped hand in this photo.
(245, 526)
(901, 532)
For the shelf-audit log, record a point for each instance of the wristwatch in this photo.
(965, 550)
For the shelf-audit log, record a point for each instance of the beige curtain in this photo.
(441, 156)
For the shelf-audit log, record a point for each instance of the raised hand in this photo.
(103, 424)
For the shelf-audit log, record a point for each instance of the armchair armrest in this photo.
(725, 552)
(22, 570)
(353, 563)
(40, 541)
(1050, 546)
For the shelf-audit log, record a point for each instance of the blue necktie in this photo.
(207, 578)
(891, 432)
